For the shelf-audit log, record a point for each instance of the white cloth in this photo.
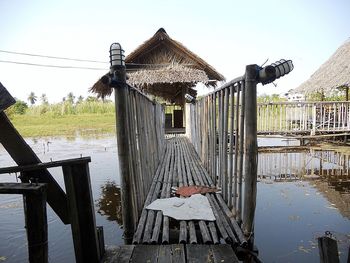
(196, 207)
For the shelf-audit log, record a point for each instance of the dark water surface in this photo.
(104, 180)
(301, 194)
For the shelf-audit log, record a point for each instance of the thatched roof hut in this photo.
(333, 74)
(164, 67)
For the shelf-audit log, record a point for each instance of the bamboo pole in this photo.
(250, 150)
(122, 127)
(242, 140)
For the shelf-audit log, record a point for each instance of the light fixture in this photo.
(116, 55)
(189, 98)
(274, 71)
(282, 67)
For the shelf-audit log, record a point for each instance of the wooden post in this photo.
(328, 249)
(81, 212)
(188, 125)
(313, 131)
(36, 225)
(34, 200)
(251, 149)
(122, 123)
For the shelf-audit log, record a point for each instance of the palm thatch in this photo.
(164, 67)
(170, 74)
(334, 73)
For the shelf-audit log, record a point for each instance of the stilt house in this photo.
(166, 69)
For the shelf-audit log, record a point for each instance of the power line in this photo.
(50, 66)
(52, 57)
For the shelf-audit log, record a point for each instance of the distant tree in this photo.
(264, 98)
(91, 99)
(32, 98)
(43, 99)
(19, 107)
(70, 97)
(80, 99)
(64, 99)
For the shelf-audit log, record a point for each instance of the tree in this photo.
(91, 99)
(32, 98)
(43, 99)
(80, 99)
(70, 97)
(19, 107)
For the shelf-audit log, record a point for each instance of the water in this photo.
(299, 198)
(105, 188)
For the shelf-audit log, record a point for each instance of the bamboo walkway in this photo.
(181, 166)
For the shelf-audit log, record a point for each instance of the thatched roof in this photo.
(161, 49)
(170, 74)
(332, 74)
(163, 67)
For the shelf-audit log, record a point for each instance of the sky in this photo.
(228, 34)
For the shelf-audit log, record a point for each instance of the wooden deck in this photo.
(181, 166)
(177, 253)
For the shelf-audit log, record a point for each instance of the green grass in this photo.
(36, 125)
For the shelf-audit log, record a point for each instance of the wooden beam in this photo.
(39, 166)
(6, 100)
(20, 188)
(22, 154)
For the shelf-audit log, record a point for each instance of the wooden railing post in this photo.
(251, 149)
(81, 212)
(34, 200)
(121, 94)
(313, 130)
(36, 225)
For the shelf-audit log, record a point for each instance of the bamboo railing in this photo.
(215, 127)
(140, 135)
(223, 129)
(303, 117)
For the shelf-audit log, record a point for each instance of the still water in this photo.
(301, 194)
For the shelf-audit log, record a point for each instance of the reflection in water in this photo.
(302, 192)
(329, 168)
(109, 203)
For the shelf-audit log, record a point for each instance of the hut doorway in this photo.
(174, 118)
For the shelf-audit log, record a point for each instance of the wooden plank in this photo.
(165, 254)
(178, 251)
(199, 253)
(223, 253)
(145, 253)
(22, 154)
(124, 254)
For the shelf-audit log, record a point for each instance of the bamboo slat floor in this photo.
(176, 253)
(181, 166)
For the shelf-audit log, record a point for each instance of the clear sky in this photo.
(227, 34)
